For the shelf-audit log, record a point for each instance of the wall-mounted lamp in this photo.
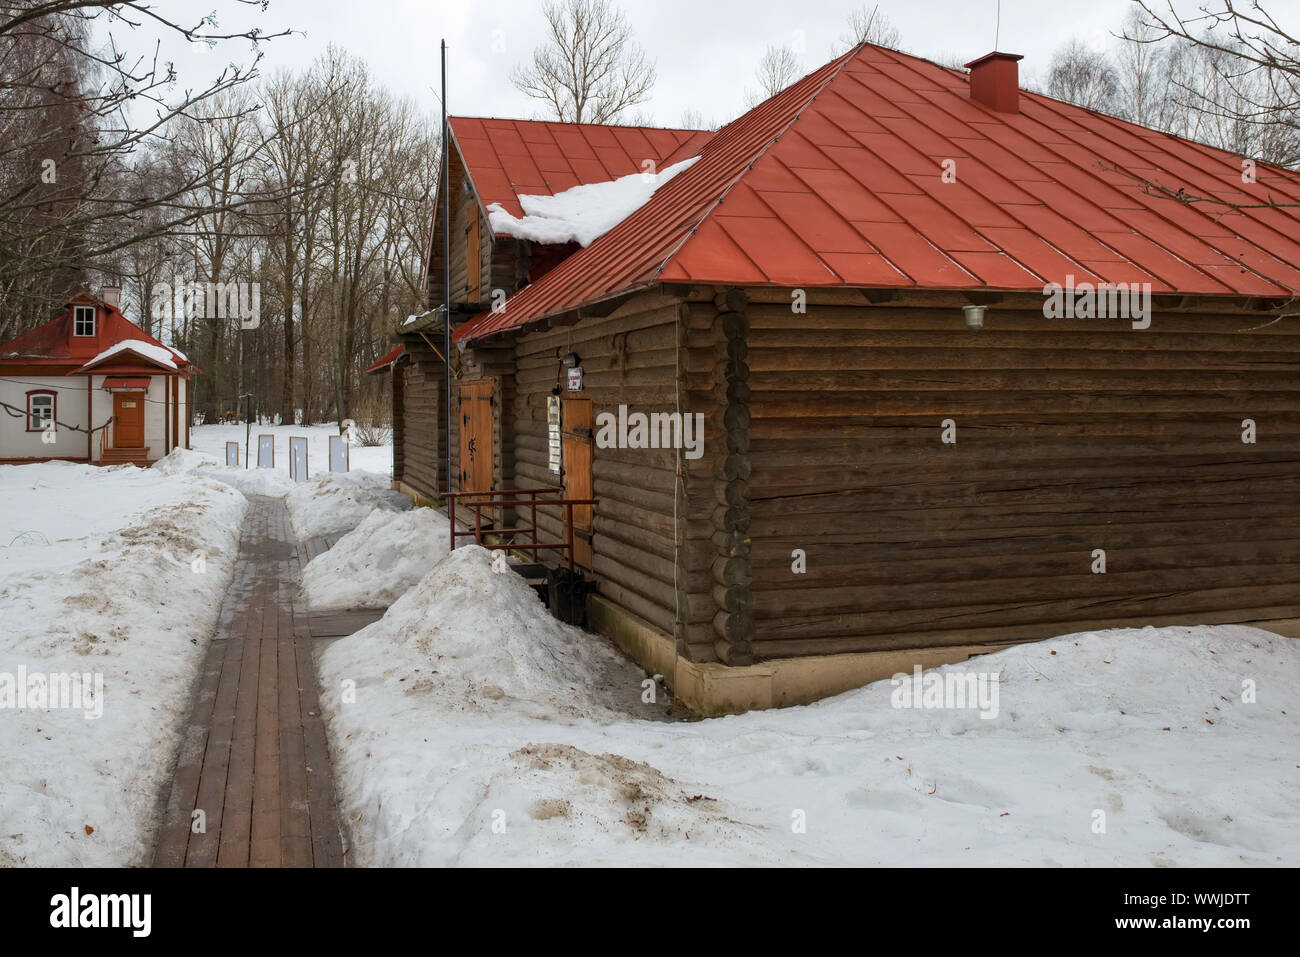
(572, 360)
(974, 316)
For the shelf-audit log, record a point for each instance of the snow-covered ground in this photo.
(326, 504)
(468, 727)
(375, 563)
(117, 573)
(211, 440)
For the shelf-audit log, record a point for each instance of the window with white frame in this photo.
(40, 410)
(83, 321)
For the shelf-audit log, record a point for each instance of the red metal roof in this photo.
(54, 344)
(837, 181)
(387, 361)
(509, 158)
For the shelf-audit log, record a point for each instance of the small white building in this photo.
(90, 386)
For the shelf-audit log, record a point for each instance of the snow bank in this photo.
(374, 564)
(468, 727)
(268, 482)
(583, 213)
(121, 577)
(334, 504)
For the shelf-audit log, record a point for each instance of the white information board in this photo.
(266, 451)
(232, 454)
(339, 458)
(298, 458)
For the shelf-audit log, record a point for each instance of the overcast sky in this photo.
(705, 50)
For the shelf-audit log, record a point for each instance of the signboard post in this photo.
(298, 458)
(232, 454)
(340, 460)
(266, 451)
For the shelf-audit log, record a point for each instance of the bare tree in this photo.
(777, 69)
(868, 24)
(74, 116)
(1084, 77)
(1238, 76)
(590, 69)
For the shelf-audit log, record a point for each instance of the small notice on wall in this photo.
(553, 434)
(575, 379)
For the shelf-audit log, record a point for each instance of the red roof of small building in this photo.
(837, 181)
(53, 343)
(387, 361)
(510, 158)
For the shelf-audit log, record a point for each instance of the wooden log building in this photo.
(938, 419)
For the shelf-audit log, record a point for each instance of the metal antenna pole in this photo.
(446, 262)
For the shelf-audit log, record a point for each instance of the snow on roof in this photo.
(582, 213)
(159, 354)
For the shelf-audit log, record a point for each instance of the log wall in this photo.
(1071, 436)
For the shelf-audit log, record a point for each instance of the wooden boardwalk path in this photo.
(254, 756)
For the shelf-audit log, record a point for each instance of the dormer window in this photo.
(83, 321)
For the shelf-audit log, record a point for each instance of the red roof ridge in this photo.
(776, 138)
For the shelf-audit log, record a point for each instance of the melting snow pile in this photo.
(582, 214)
(329, 503)
(374, 564)
(119, 574)
(336, 503)
(470, 728)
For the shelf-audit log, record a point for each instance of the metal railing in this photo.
(530, 499)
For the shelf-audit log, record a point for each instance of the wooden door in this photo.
(128, 420)
(476, 436)
(576, 440)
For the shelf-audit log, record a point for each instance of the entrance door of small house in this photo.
(576, 441)
(128, 420)
(476, 444)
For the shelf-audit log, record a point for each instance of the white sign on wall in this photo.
(553, 434)
(339, 459)
(575, 379)
(266, 451)
(298, 458)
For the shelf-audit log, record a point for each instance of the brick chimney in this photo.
(112, 296)
(995, 81)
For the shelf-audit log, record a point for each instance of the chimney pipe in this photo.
(995, 81)
(112, 296)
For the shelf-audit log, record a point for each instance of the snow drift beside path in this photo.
(326, 504)
(119, 572)
(473, 707)
(211, 440)
(374, 564)
(582, 213)
(333, 504)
